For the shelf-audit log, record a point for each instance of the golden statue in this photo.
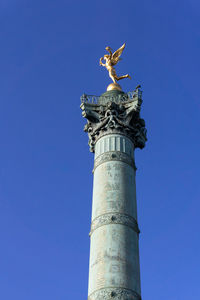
(111, 60)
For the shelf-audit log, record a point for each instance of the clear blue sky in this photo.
(49, 56)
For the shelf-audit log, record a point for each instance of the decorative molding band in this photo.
(114, 156)
(114, 218)
(115, 294)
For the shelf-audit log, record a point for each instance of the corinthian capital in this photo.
(114, 112)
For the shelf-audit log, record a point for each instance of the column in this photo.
(114, 271)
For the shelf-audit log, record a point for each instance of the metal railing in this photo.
(130, 96)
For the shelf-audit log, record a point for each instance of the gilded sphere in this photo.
(114, 86)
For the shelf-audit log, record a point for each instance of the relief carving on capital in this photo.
(115, 115)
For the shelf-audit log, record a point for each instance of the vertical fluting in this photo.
(114, 271)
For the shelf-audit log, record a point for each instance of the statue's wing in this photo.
(116, 55)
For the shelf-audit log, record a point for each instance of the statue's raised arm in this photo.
(109, 50)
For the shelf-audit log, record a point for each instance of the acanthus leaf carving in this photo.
(115, 117)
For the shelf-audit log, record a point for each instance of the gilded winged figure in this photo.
(111, 60)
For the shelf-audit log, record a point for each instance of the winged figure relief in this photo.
(111, 60)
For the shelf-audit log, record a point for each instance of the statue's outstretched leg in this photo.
(122, 77)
